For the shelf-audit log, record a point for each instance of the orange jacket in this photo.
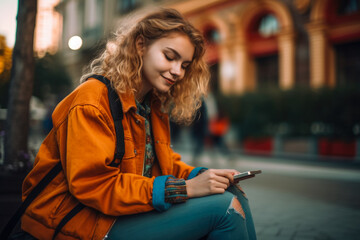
(83, 139)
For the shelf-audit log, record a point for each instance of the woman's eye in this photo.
(168, 58)
(184, 66)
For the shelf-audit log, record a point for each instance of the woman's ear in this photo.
(140, 45)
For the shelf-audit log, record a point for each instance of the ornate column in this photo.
(331, 70)
(287, 59)
(318, 46)
(227, 68)
(243, 74)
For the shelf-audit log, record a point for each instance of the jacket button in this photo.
(137, 121)
(157, 141)
(135, 152)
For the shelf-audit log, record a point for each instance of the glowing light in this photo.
(75, 43)
(228, 70)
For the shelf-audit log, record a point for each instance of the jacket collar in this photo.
(127, 101)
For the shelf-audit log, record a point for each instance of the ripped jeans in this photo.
(221, 216)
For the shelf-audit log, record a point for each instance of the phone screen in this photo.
(245, 175)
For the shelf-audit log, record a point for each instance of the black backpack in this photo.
(117, 114)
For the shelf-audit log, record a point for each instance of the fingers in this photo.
(217, 187)
(220, 178)
(225, 173)
(212, 181)
(219, 183)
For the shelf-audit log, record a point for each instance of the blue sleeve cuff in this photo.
(195, 172)
(159, 194)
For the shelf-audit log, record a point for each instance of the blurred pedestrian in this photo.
(158, 70)
(218, 127)
(199, 132)
(175, 132)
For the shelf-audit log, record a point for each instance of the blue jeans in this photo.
(221, 216)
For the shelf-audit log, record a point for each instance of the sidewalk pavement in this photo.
(290, 200)
(296, 200)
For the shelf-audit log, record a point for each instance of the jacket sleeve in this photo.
(90, 144)
(182, 170)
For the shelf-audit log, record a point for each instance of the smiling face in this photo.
(165, 62)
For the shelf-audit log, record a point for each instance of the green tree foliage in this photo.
(51, 77)
(5, 69)
(329, 112)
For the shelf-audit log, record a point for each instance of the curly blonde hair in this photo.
(122, 64)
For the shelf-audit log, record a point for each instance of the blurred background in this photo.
(284, 98)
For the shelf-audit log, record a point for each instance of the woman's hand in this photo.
(212, 181)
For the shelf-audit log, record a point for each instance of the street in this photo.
(294, 200)
(290, 200)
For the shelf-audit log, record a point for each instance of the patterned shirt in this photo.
(144, 111)
(175, 188)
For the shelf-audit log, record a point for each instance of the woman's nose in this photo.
(176, 70)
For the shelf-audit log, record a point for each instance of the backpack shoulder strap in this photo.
(117, 114)
(33, 194)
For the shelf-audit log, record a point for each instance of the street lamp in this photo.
(75, 43)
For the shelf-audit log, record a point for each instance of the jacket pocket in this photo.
(129, 149)
(63, 205)
(128, 163)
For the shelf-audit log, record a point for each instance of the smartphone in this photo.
(246, 175)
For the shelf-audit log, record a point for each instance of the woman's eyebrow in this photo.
(177, 54)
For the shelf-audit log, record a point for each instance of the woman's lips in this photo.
(169, 81)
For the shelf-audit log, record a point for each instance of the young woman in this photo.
(157, 69)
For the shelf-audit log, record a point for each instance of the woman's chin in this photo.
(164, 88)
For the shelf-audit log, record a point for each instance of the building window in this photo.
(348, 63)
(212, 36)
(214, 79)
(99, 12)
(268, 25)
(81, 16)
(267, 71)
(126, 6)
(347, 7)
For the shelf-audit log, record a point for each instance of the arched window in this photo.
(267, 71)
(213, 39)
(213, 36)
(347, 7)
(268, 25)
(347, 63)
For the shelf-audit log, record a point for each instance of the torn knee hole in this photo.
(236, 206)
(241, 190)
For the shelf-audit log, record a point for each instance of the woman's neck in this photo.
(145, 89)
(140, 96)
